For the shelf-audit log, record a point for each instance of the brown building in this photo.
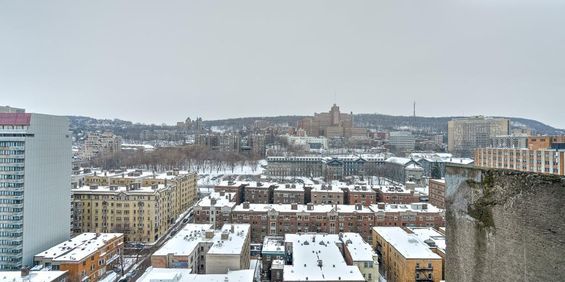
(235, 187)
(86, 257)
(359, 194)
(396, 194)
(437, 192)
(331, 124)
(289, 194)
(215, 209)
(405, 257)
(544, 142)
(259, 192)
(280, 219)
(326, 194)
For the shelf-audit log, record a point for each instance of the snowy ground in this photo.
(211, 177)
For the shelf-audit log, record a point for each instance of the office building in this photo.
(35, 166)
(548, 161)
(467, 134)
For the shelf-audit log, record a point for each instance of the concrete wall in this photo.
(504, 225)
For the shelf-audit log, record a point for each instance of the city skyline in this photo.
(160, 63)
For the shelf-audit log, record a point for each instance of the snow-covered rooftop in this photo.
(316, 257)
(327, 188)
(227, 200)
(357, 247)
(273, 245)
(34, 276)
(236, 237)
(184, 275)
(415, 207)
(429, 233)
(294, 187)
(190, 236)
(186, 240)
(79, 247)
(409, 246)
(303, 208)
(118, 189)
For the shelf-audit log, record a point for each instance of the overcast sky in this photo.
(161, 61)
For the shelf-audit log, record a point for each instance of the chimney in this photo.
(310, 206)
(246, 205)
(225, 235)
(209, 234)
(24, 271)
(294, 206)
(222, 193)
(381, 206)
(213, 201)
(358, 207)
(232, 229)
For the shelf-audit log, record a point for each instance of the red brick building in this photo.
(359, 194)
(289, 194)
(398, 194)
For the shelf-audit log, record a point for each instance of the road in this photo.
(144, 261)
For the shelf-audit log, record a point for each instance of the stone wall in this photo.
(504, 225)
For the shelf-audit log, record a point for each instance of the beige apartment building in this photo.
(466, 134)
(549, 161)
(142, 206)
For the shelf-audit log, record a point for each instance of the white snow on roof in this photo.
(430, 233)
(294, 187)
(409, 246)
(358, 248)
(34, 276)
(236, 239)
(184, 275)
(221, 201)
(327, 188)
(398, 160)
(186, 240)
(309, 251)
(79, 247)
(190, 236)
(118, 189)
(302, 208)
(414, 207)
(273, 244)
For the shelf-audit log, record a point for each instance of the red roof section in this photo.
(15, 118)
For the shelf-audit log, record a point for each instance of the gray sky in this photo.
(161, 61)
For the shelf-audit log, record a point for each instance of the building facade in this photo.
(141, 207)
(437, 192)
(548, 161)
(86, 257)
(405, 256)
(35, 166)
(467, 134)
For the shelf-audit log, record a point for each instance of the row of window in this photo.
(11, 168)
(11, 160)
(11, 143)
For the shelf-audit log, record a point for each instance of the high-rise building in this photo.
(331, 124)
(35, 165)
(467, 134)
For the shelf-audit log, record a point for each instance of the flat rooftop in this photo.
(184, 275)
(117, 189)
(316, 257)
(410, 246)
(79, 247)
(191, 235)
(273, 245)
(357, 247)
(429, 233)
(227, 200)
(34, 276)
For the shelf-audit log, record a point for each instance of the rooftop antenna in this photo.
(414, 108)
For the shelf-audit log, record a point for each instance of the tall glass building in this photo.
(35, 166)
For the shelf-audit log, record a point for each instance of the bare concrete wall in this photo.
(504, 225)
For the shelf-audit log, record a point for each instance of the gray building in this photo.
(35, 196)
(402, 140)
(466, 134)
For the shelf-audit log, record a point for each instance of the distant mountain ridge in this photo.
(373, 121)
